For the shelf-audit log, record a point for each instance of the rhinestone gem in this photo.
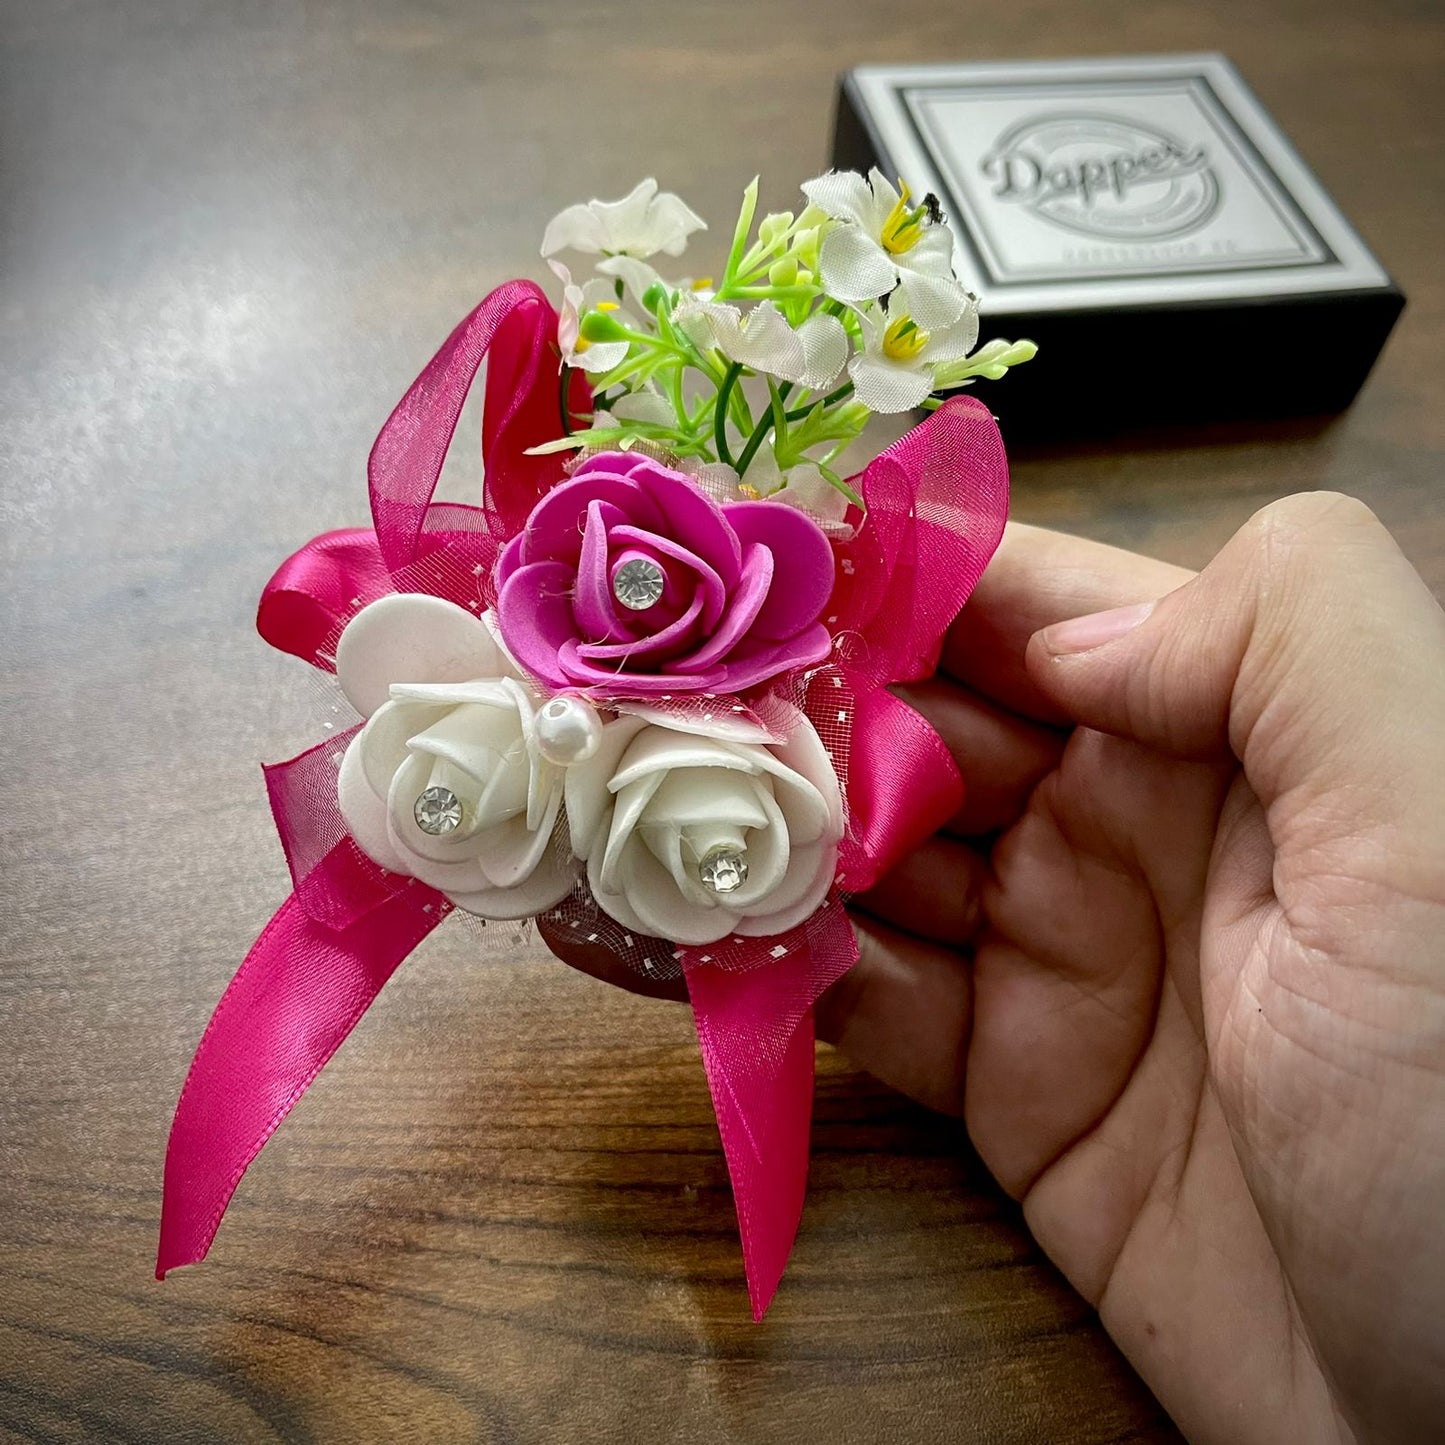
(437, 811)
(724, 870)
(637, 584)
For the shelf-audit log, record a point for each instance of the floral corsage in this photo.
(642, 689)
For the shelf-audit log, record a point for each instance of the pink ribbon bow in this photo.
(936, 504)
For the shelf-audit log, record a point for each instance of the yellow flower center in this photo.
(607, 306)
(902, 341)
(703, 283)
(904, 226)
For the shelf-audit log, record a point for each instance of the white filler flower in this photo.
(593, 295)
(810, 356)
(895, 370)
(640, 225)
(885, 240)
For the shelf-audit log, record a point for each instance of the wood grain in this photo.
(231, 235)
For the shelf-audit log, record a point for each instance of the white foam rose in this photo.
(654, 802)
(447, 708)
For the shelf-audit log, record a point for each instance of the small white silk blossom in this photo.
(884, 240)
(895, 370)
(642, 224)
(594, 294)
(810, 356)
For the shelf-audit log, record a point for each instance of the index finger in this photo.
(1035, 579)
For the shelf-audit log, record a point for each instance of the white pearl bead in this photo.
(568, 731)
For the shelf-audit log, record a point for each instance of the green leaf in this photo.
(740, 233)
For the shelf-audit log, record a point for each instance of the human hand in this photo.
(1201, 1035)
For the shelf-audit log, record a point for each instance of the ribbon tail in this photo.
(301, 990)
(755, 1029)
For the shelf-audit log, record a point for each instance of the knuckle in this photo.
(1297, 547)
(1293, 556)
(1307, 521)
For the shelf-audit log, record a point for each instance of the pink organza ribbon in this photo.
(936, 506)
(937, 502)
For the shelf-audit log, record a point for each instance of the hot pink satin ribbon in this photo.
(936, 505)
(321, 961)
(937, 502)
(755, 1030)
(301, 990)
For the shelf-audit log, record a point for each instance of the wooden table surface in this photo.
(231, 235)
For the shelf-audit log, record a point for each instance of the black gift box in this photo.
(1145, 222)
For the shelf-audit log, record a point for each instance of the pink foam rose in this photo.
(743, 585)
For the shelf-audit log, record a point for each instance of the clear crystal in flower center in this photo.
(637, 584)
(724, 870)
(437, 811)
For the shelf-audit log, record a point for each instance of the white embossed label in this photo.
(1156, 178)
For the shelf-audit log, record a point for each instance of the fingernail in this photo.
(1082, 634)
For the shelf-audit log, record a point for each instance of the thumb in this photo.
(1309, 648)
